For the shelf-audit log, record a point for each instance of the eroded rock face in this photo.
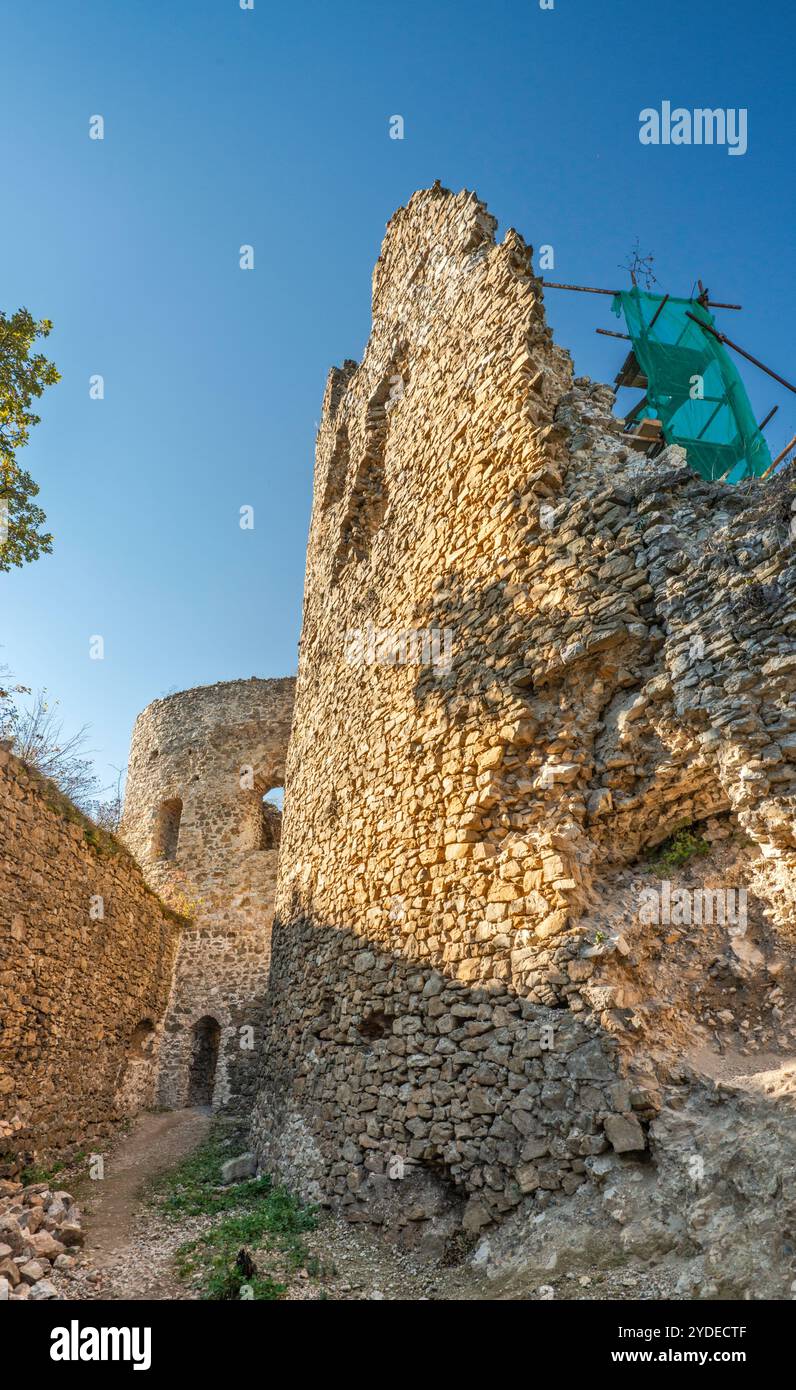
(529, 654)
(712, 1216)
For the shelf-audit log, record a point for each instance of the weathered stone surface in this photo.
(88, 959)
(37, 1251)
(13, 1235)
(10, 1271)
(624, 1133)
(70, 1233)
(236, 1169)
(43, 1243)
(200, 763)
(44, 1290)
(528, 655)
(715, 1205)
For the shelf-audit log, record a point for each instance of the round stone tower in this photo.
(199, 819)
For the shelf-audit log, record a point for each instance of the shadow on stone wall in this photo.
(421, 1103)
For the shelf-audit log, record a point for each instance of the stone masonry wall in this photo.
(528, 654)
(82, 995)
(200, 764)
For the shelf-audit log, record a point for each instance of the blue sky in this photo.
(271, 127)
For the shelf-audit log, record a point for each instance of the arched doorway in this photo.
(204, 1056)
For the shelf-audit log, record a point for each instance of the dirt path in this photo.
(129, 1249)
(128, 1252)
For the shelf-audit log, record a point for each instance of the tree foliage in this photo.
(24, 374)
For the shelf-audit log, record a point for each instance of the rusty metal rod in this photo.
(592, 289)
(722, 337)
(657, 311)
(704, 298)
(606, 332)
(582, 289)
(709, 422)
(779, 458)
(770, 416)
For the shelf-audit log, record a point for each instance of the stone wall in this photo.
(200, 763)
(86, 955)
(528, 655)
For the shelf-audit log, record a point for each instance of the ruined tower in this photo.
(199, 819)
(525, 661)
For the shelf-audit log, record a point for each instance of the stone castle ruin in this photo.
(529, 656)
(201, 764)
(467, 1013)
(87, 952)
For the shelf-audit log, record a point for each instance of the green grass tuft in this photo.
(36, 1173)
(259, 1215)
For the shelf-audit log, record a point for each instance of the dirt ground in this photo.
(128, 1252)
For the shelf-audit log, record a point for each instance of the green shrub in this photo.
(679, 849)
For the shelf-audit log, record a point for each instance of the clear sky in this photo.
(270, 127)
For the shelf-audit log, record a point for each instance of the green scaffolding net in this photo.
(693, 386)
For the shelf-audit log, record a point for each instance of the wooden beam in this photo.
(630, 373)
(705, 299)
(657, 311)
(779, 458)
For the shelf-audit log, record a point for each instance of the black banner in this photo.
(231, 1340)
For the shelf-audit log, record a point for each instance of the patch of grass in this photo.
(193, 1188)
(681, 847)
(101, 841)
(36, 1173)
(259, 1216)
(63, 1169)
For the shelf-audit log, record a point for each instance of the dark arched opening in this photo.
(204, 1056)
(271, 818)
(167, 828)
